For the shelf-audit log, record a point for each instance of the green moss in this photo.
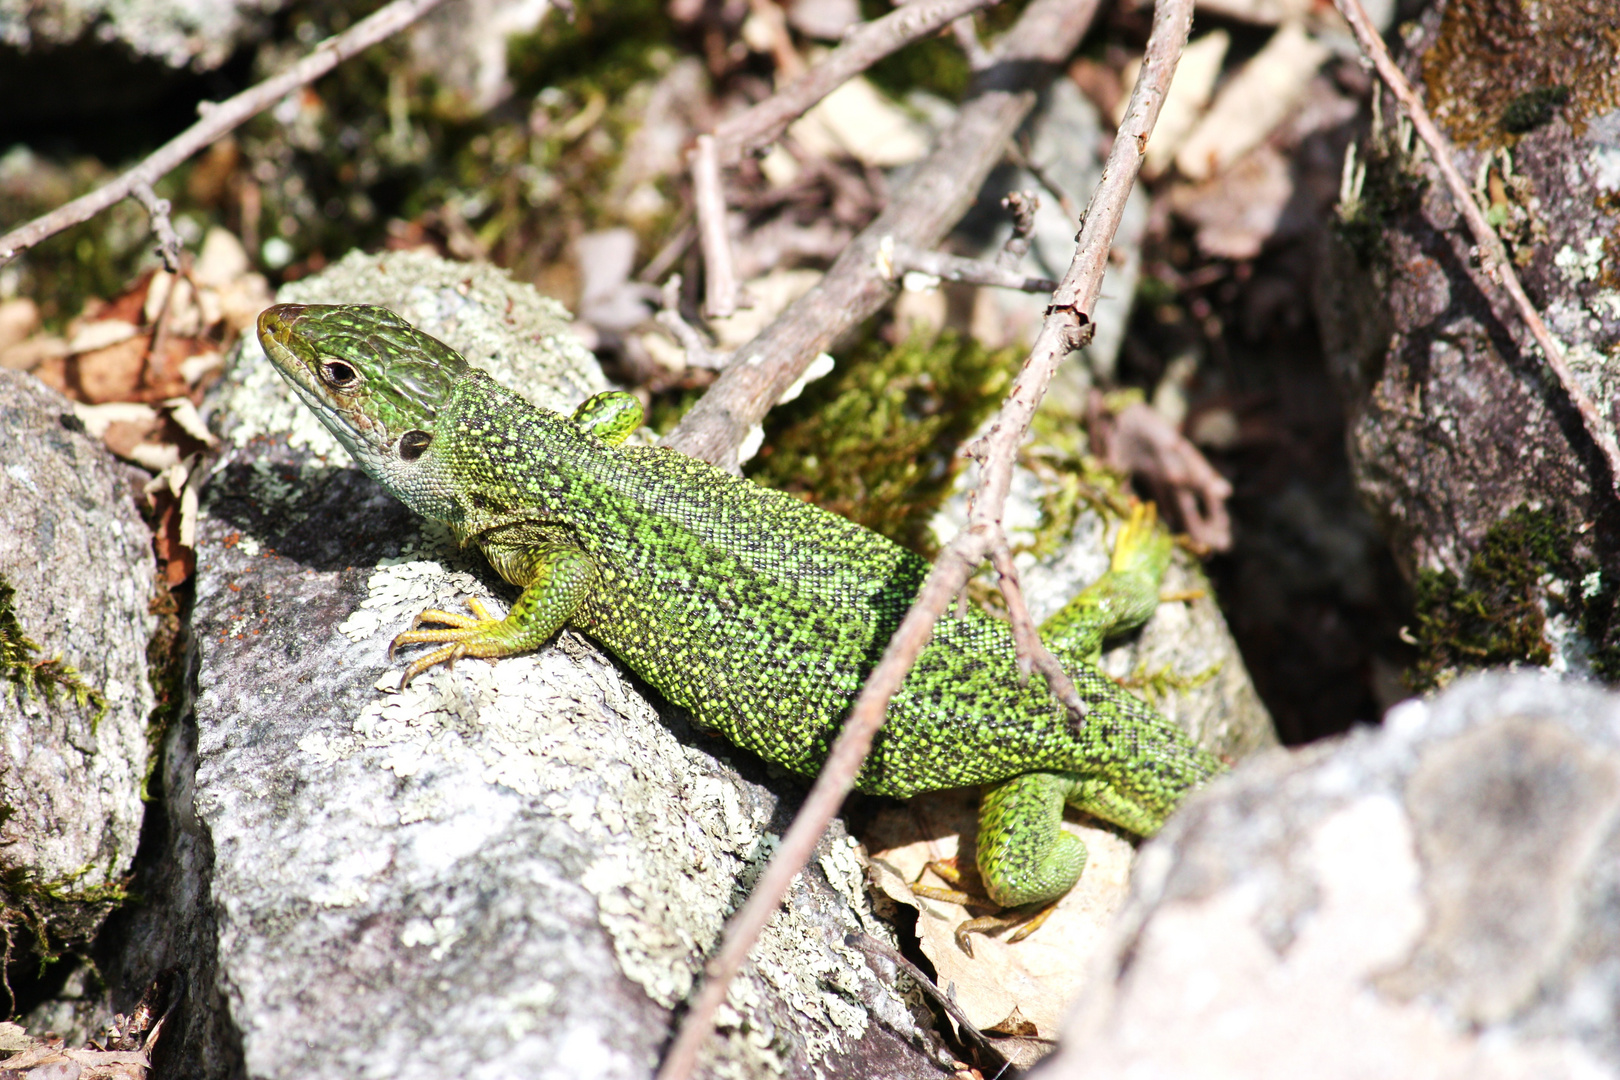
(165, 671)
(876, 441)
(1388, 186)
(40, 678)
(1533, 108)
(607, 47)
(1496, 613)
(1493, 58)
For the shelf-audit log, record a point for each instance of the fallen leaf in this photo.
(1253, 102)
(108, 374)
(1038, 976)
(858, 121)
(1239, 210)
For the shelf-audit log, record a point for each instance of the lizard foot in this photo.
(1027, 918)
(1141, 545)
(465, 635)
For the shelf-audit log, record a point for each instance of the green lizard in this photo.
(760, 614)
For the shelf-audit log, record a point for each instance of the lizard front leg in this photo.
(555, 574)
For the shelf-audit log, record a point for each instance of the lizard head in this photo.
(375, 381)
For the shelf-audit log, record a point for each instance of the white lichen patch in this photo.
(1581, 265)
(676, 845)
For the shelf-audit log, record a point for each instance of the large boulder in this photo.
(1497, 500)
(77, 590)
(1437, 897)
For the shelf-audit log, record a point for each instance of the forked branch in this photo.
(1066, 326)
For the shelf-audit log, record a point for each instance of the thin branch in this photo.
(920, 213)
(1020, 157)
(763, 124)
(217, 120)
(871, 946)
(1022, 205)
(1031, 650)
(719, 277)
(157, 210)
(1496, 261)
(698, 353)
(967, 39)
(1060, 333)
(897, 260)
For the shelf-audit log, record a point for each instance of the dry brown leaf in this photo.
(1239, 210)
(1038, 976)
(1252, 103)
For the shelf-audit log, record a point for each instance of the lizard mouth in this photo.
(276, 326)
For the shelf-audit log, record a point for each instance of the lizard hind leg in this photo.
(1026, 860)
(1123, 598)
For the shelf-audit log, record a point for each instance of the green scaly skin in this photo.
(760, 614)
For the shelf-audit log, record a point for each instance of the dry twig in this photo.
(764, 123)
(719, 279)
(1495, 258)
(871, 946)
(698, 353)
(1022, 205)
(898, 260)
(217, 120)
(157, 211)
(1065, 329)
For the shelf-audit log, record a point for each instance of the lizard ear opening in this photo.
(412, 443)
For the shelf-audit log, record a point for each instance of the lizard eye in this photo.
(412, 443)
(338, 374)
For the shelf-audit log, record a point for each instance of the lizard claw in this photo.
(456, 638)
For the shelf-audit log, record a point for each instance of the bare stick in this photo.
(698, 353)
(1496, 261)
(719, 277)
(902, 259)
(967, 39)
(169, 245)
(217, 119)
(764, 123)
(1062, 331)
(883, 951)
(920, 213)
(1031, 650)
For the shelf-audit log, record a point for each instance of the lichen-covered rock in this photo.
(510, 868)
(77, 582)
(1454, 422)
(199, 33)
(1437, 897)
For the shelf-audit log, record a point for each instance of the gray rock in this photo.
(78, 578)
(1438, 897)
(508, 869)
(1453, 420)
(198, 33)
